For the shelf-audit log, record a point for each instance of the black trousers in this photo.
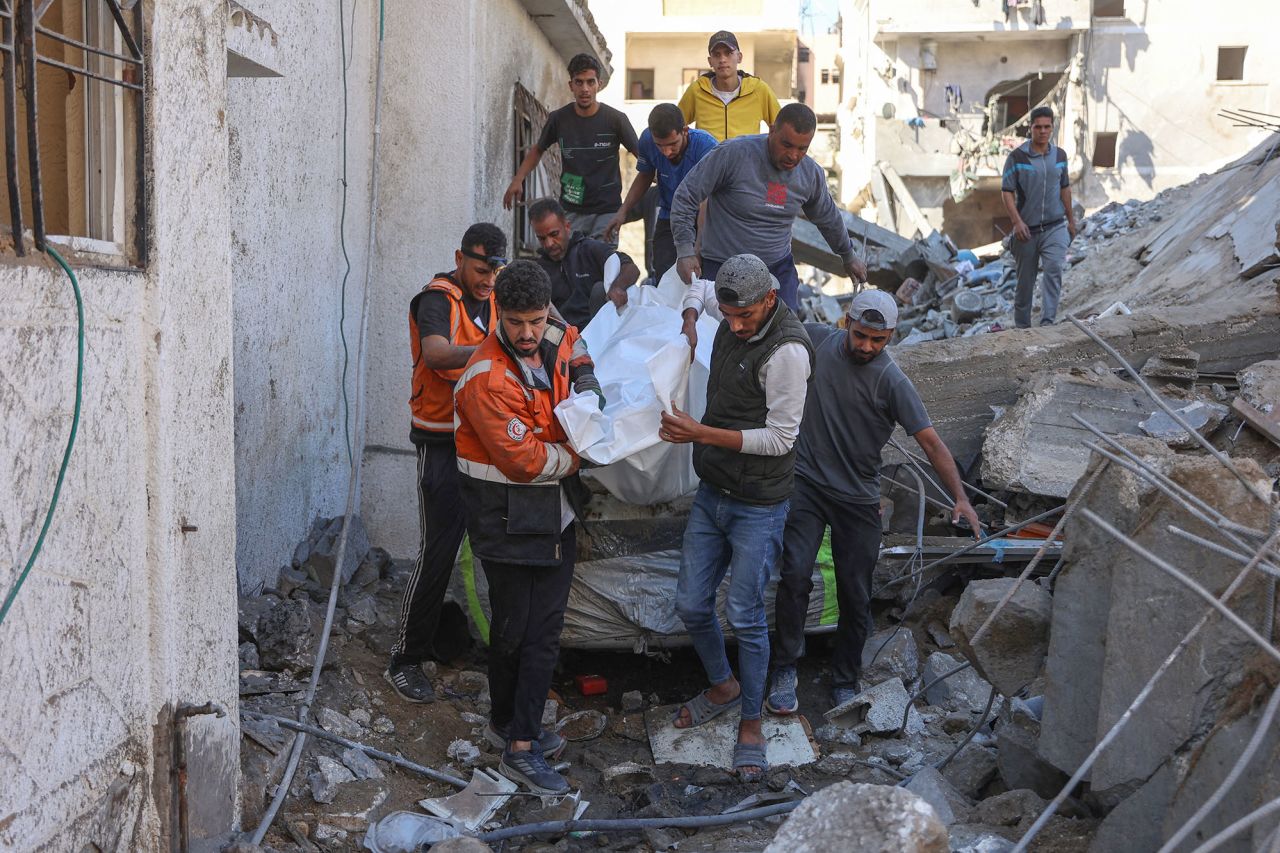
(855, 546)
(442, 524)
(664, 249)
(527, 606)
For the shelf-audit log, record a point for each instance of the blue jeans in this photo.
(783, 269)
(727, 535)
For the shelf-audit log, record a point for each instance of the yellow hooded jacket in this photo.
(740, 117)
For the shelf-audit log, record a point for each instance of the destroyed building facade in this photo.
(933, 94)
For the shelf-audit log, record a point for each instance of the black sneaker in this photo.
(529, 768)
(552, 743)
(408, 680)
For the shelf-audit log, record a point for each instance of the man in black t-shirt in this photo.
(583, 271)
(589, 134)
(448, 319)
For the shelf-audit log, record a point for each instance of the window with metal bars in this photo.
(74, 80)
(544, 180)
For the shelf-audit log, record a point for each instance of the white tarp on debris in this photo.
(642, 362)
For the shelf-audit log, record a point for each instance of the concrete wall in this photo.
(285, 155)
(447, 156)
(126, 614)
(979, 16)
(1151, 79)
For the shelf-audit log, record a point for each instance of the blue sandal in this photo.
(750, 755)
(702, 709)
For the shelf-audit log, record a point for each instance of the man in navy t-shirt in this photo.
(669, 149)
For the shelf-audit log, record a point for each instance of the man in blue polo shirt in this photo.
(670, 149)
(1037, 196)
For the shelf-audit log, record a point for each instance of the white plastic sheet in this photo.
(642, 362)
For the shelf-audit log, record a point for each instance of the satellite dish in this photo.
(888, 110)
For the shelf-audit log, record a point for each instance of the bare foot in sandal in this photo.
(750, 746)
(709, 703)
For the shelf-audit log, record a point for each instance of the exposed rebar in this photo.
(906, 715)
(562, 827)
(982, 721)
(1242, 824)
(1221, 550)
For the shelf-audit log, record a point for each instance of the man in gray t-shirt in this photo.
(857, 396)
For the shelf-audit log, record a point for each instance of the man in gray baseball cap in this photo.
(857, 397)
(744, 453)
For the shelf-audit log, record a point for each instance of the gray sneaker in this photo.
(529, 768)
(551, 742)
(782, 698)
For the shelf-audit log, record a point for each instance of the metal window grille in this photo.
(20, 24)
(530, 118)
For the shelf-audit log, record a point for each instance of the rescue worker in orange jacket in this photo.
(448, 319)
(520, 492)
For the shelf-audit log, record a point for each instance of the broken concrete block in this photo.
(320, 561)
(1009, 808)
(1011, 652)
(831, 733)
(328, 776)
(1017, 737)
(938, 633)
(632, 701)
(1260, 385)
(877, 709)
(249, 656)
(1177, 367)
(971, 770)
(465, 751)
(891, 653)
(861, 819)
(964, 691)
(360, 764)
(1201, 416)
(948, 803)
(286, 636)
(364, 610)
(1038, 448)
(978, 839)
(339, 724)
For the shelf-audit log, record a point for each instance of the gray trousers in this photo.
(1047, 250)
(590, 224)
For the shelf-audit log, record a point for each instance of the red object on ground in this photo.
(592, 685)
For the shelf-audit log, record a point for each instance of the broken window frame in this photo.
(1228, 51)
(530, 116)
(19, 26)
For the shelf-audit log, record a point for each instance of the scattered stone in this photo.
(877, 709)
(938, 633)
(325, 781)
(632, 701)
(329, 834)
(705, 777)
(861, 819)
(319, 564)
(1017, 751)
(891, 653)
(965, 691)
(971, 770)
(286, 636)
(361, 717)
(364, 610)
(249, 656)
(356, 805)
(957, 721)
(978, 839)
(1260, 385)
(291, 579)
(1201, 416)
(1009, 808)
(831, 733)
(465, 751)
(1011, 653)
(360, 764)
(469, 682)
(384, 726)
(948, 803)
(550, 711)
(1177, 367)
(366, 575)
(338, 724)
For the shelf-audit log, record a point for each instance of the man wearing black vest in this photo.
(744, 452)
(859, 395)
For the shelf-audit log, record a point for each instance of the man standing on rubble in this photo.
(724, 101)
(754, 187)
(583, 271)
(1037, 195)
(744, 453)
(520, 492)
(859, 394)
(447, 321)
(669, 149)
(589, 134)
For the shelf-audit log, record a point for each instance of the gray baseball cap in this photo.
(874, 308)
(743, 280)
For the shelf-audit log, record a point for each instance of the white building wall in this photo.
(125, 614)
(285, 155)
(447, 156)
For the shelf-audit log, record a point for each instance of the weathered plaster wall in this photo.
(285, 155)
(447, 156)
(1152, 80)
(125, 615)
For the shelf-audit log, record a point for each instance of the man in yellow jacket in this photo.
(724, 101)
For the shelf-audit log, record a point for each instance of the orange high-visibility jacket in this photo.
(512, 451)
(431, 400)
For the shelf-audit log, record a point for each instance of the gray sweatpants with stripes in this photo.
(1048, 251)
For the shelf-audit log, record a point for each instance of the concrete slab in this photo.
(711, 744)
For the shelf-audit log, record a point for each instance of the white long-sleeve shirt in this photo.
(785, 377)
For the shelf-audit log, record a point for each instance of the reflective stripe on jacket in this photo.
(431, 395)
